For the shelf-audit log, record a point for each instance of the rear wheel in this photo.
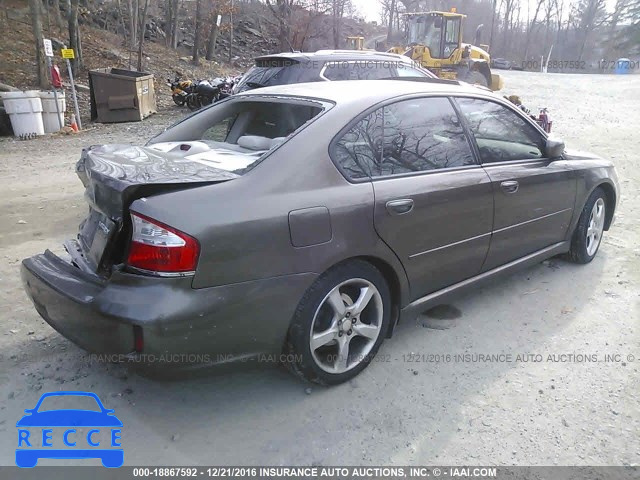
(193, 101)
(339, 324)
(588, 233)
(178, 99)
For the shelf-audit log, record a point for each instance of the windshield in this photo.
(427, 31)
(235, 135)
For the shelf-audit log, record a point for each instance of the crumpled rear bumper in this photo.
(226, 322)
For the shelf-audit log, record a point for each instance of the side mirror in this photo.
(554, 148)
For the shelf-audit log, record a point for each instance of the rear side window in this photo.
(358, 70)
(501, 135)
(410, 136)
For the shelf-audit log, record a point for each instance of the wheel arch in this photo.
(610, 198)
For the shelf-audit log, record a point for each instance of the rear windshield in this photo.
(236, 134)
(270, 72)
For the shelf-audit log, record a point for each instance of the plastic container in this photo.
(50, 118)
(25, 112)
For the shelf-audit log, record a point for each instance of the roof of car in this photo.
(337, 55)
(374, 90)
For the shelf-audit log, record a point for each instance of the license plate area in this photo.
(96, 232)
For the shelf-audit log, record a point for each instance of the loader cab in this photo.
(440, 32)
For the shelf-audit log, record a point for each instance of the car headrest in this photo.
(254, 142)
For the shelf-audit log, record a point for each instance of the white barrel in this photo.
(25, 112)
(51, 119)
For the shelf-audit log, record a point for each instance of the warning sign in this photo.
(67, 53)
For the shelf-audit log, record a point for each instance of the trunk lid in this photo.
(116, 175)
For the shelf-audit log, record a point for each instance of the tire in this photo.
(193, 101)
(474, 77)
(329, 310)
(178, 100)
(588, 233)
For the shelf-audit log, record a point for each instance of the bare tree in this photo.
(281, 10)
(36, 26)
(58, 15)
(142, 30)
(590, 14)
(213, 35)
(198, 33)
(74, 33)
(532, 26)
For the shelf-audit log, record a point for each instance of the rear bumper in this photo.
(226, 323)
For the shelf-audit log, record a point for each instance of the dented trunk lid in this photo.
(116, 175)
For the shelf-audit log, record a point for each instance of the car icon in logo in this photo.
(39, 424)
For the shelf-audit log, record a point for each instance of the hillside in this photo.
(106, 48)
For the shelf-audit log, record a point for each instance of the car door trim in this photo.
(533, 220)
(442, 247)
(415, 308)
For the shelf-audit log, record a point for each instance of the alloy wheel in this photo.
(346, 325)
(595, 227)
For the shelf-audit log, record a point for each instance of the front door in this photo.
(534, 196)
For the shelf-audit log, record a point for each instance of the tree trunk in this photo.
(58, 15)
(196, 37)
(392, 9)
(132, 25)
(142, 29)
(213, 37)
(72, 21)
(175, 24)
(36, 25)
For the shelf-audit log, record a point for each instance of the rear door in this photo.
(534, 195)
(433, 202)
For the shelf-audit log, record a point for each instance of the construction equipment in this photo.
(434, 40)
(355, 43)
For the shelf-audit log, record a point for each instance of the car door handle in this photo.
(510, 186)
(400, 207)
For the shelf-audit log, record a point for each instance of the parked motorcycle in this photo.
(206, 92)
(180, 90)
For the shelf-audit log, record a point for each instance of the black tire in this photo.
(193, 101)
(300, 359)
(178, 100)
(581, 250)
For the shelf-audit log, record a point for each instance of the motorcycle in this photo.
(207, 92)
(180, 90)
(203, 94)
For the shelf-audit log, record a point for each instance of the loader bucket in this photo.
(497, 82)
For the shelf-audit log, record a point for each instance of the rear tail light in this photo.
(161, 249)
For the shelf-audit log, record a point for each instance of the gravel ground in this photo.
(538, 410)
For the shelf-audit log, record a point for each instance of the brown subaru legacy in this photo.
(310, 219)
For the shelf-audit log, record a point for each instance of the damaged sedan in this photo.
(311, 219)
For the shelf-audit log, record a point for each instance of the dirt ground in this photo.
(544, 408)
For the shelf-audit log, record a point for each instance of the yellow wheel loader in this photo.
(434, 40)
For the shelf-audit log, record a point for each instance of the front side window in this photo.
(410, 136)
(501, 134)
